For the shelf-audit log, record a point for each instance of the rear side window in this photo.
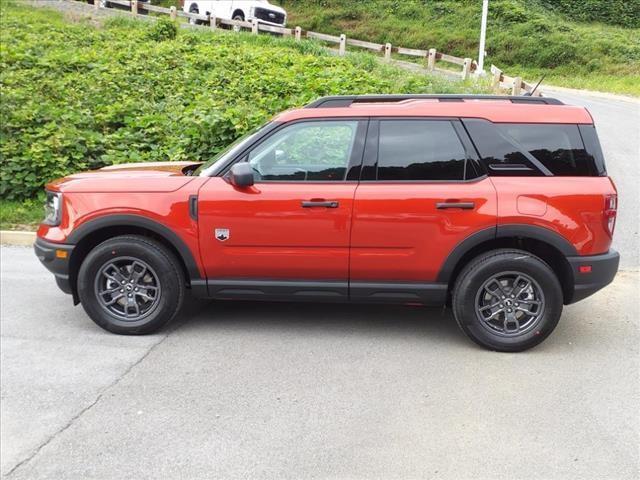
(557, 147)
(531, 149)
(420, 150)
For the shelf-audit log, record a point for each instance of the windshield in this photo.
(230, 151)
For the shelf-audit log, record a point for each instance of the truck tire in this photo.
(131, 285)
(507, 300)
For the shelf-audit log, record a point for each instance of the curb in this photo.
(11, 237)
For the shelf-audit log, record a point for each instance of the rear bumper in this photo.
(603, 270)
(47, 253)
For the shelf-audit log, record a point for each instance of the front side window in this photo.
(420, 150)
(306, 151)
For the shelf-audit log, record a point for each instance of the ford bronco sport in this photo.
(498, 206)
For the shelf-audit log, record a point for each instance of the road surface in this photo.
(251, 390)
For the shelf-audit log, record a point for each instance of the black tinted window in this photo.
(557, 147)
(420, 150)
(498, 153)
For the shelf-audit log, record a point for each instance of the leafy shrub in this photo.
(615, 12)
(74, 97)
(163, 29)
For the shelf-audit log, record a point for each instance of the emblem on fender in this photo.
(222, 234)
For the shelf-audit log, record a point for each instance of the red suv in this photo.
(498, 206)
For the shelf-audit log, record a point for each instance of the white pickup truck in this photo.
(247, 10)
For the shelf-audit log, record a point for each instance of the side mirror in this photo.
(241, 175)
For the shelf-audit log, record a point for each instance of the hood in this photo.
(128, 177)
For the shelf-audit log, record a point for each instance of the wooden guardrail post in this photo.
(134, 7)
(343, 45)
(431, 59)
(213, 22)
(387, 52)
(495, 79)
(254, 26)
(517, 86)
(96, 4)
(466, 68)
(173, 14)
(298, 31)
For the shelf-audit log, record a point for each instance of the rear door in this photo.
(288, 235)
(421, 194)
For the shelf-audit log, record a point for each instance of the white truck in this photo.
(247, 10)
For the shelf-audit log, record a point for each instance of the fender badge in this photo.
(222, 234)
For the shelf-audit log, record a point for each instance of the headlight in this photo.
(53, 209)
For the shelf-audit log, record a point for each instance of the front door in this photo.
(288, 234)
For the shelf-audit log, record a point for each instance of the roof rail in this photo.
(347, 100)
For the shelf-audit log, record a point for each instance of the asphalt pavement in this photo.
(260, 390)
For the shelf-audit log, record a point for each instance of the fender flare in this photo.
(542, 234)
(139, 221)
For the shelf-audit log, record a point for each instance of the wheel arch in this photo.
(94, 232)
(540, 241)
(238, 11)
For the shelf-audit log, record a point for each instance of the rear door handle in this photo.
(461, 205)
(320, 203)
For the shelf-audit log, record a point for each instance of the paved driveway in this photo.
(244, 390)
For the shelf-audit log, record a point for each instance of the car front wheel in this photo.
(131, 285)
(507, 300)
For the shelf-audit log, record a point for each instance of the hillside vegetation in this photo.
(565, 39)
(75, 96)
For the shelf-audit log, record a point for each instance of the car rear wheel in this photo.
(131, 285)
(507, 300)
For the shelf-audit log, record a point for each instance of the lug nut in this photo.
(123, 282)
(129, 295)
(121, 290)
(135, 289)
(508, 310)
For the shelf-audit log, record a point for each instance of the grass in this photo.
(21, 215)
(524, 37)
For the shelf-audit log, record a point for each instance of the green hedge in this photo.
(76, 97)
(615, 12)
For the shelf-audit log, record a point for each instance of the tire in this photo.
(194, 9)
(131, 269)
(488, 315)
(239, 16)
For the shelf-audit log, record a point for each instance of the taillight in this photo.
(610, 212)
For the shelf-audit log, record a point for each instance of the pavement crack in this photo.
(73, 419)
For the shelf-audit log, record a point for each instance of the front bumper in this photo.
(603, 270)
(51, 256)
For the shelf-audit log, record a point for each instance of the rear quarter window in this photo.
(557, 147)
(510, 149)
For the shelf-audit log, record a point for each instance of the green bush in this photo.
(615, 12)
(163, 29)
(76, 97)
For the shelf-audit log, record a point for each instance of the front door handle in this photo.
(320, 203)
(461, 205)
